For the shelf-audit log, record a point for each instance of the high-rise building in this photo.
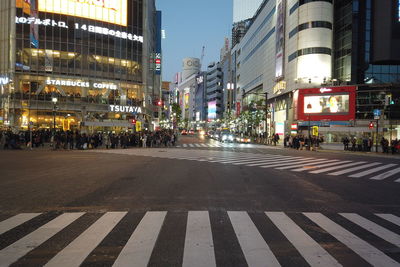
(245, 9)
(61, 68)
(214, 95)
(322, 63)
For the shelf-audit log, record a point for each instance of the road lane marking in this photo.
(386, 174)
(245, 158)
(312, 166)
(255, 249)
(15, 221)
(184, 145)
(303, 164)
(288, 162)
(24, 245)
(369, 253)
(77, 251)
(140, 245)
(374, 228)
(197, 145)
(338, 167)
(275, 160)
(371, 171)
(264, 159)
(203, 145)
(354, 169)
(312, 252)
(199, 246)
(389, 217)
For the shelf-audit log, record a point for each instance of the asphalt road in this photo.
(202, 203)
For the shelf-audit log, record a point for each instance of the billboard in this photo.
(212, 110)
(280, 40)
(110, 11)
(333, 104)
(327, 104)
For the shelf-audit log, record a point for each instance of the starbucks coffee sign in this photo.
(125, 109)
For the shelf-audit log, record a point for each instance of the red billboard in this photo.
(327, 103)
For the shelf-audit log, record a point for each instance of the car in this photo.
(243, 140)
(191, 132)
(226, 136)
(184, 132)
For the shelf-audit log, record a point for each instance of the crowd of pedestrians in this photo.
(365, 144)
(76, 140)
(301, 142)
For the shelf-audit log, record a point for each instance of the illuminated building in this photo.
(294, 45)
(89, 55)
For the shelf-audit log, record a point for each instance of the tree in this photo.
(176, 109)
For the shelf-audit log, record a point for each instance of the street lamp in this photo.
(309, 107)
(54, 100)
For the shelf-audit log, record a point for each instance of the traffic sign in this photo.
(377, 112)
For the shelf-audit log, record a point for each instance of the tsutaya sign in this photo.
(127, 109)
(72, 83)
(4, 80)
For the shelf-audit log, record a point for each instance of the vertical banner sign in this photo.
(34, 28)
(138, 126)
(158, 58)
(280, 39)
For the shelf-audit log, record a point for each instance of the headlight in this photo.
(231, 137)
(224, 137)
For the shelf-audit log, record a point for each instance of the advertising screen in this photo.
(326, 104)
(212, 110)
(111, 11)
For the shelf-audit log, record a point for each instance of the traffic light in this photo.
(371, 125)
(159, 103)
(133, 121)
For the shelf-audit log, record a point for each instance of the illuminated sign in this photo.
(325, 90)
(127, 109)
(67, 83)
(212, 110)
(326, 104)
(4, 80)
(37, 21)
(83, 27)
(158, 63)
(111, 11)
(71, 83)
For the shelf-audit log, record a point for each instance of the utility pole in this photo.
(266, 115)
(377, 132)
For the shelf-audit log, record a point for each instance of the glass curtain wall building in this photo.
(75, 64)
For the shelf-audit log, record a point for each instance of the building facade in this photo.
(214, 91)
(78, 64)
(329, 53)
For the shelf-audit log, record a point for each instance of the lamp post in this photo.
(309, 106)
(54, 100)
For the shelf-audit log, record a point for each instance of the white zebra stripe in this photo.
(15, 221)
(140, 245)
(255, 249)
(312, 252)
(199, 246)
(76, 252)
(369, 253)
(21, 247)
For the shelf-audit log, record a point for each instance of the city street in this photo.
(202, 203)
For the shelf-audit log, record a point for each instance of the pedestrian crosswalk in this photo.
(217, 144)
(376, 171)
(268, 238)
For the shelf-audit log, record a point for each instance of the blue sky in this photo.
(190, 24)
